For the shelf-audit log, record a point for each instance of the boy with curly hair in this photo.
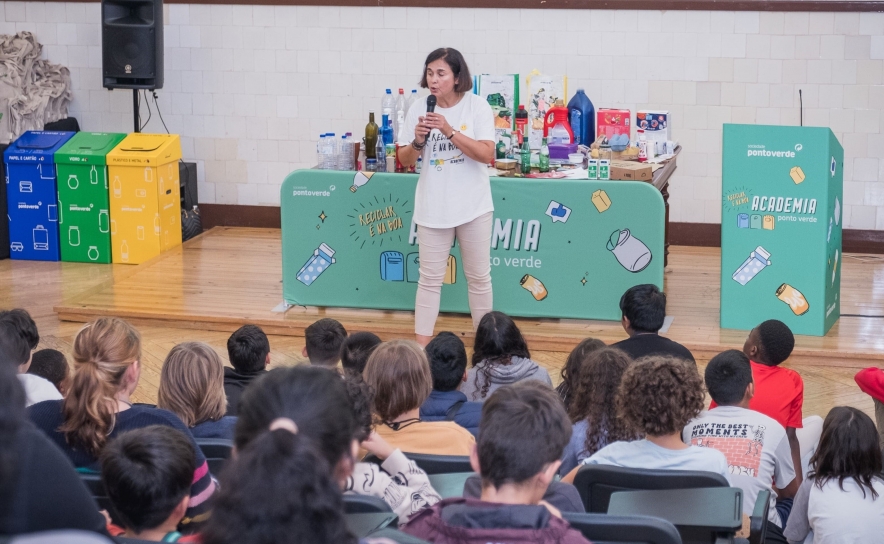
(658, 396)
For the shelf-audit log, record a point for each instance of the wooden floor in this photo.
(227, 277)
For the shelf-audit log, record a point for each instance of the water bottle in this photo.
(399, 117)
(411, 100)
(388, 104)
(341, 156)
(381, 155)
(320, 150)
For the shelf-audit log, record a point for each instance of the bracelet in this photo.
(417, 147)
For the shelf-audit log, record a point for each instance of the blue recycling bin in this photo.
(32, 196)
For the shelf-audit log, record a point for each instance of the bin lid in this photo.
(141, 149)
(37, 143)
(88, 148)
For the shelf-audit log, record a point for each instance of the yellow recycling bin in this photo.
(145, 199)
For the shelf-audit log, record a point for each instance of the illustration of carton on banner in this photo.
(145, 197)
(601, 201)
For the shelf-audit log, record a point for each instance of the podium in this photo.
(781, 220)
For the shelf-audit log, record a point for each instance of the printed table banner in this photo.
(559, 248)
(781, 225)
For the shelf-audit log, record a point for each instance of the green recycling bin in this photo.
(83, 202)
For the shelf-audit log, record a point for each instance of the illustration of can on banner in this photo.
(534, 286)
(793, 298)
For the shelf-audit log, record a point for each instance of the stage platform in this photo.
(230, 276)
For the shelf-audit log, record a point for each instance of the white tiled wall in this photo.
(249, 88)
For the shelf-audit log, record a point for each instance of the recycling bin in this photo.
(32, 204)
(145, 199)
(83, 202)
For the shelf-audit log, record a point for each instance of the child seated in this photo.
(448, 365)
(871, 382)
(147, 474)
(18, 339)
(323, 342)
(755, 445)
(51, 365)
(572, 367)
(249, 351)
(356, 350)
(524, 430)
(399, 374)
(841, 498)
(658, 396)
(500, 357)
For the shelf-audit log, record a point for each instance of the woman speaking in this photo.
(453, 196)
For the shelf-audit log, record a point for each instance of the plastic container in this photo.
(581, 115)
(522, 121)
(83, 199)
(575, 158)
(398, 118)
(557, 120)
(388, 103)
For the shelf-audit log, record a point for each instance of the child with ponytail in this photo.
(106, 369)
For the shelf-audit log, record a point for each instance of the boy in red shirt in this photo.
(779, 392)
(871, 382)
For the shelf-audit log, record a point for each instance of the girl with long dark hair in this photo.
(571, 370)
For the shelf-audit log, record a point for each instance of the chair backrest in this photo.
(758, 520)
(433, 464)
(217, 451)
(397, 536)
(68, 536)
(605, 529)
(595, 483)
(365, 504)
(96, 489)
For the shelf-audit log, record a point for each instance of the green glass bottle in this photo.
(500, 149)
(544, 156)
(371, 137)
(525, 156)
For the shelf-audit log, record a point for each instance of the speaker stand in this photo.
(136, 110)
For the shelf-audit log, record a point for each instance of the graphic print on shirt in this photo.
(442, 151)
(741, 444)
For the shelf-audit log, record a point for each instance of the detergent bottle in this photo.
(557, 118)
(582, 117)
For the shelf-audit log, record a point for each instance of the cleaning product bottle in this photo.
(371, 136)
(544, 156)
(522, 121)
(581, 114)
(557, 118)
(525, 156)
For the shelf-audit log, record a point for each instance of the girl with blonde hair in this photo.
(97, 408)
(192, 388)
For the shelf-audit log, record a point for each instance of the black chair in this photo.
(216, 451)
(365, 504)
(605, 529)
(397, 536)
(758, 520)
(595, 483)
(433, 464)
(96, 489)
(67, 536)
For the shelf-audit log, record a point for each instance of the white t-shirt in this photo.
(38, 389)
(453, 189)
(835, 516)
(756, 448)
(646, 454)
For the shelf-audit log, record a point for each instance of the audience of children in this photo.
(644, 311)
(657, 397)
(249, 352)
(51, 365)
(39, 489)
(448, 365)
(107, 355)
(593, 406)
(147, 473)
(572, 367)
(841, 498)
(19, 338)
(323, 340)
(192, 388)
(756, 446)
(500, 357)
(399, 375)
(524, 430)
(356, 350)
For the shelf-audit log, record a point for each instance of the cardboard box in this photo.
(611, 121)
(502, 93)
(655, 123)
(631, 171)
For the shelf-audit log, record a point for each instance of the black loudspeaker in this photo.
(132, 44)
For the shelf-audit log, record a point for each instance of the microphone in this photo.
(431, 103)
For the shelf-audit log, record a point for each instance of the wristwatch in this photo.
(453, 132)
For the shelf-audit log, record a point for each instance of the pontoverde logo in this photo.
(760, 151)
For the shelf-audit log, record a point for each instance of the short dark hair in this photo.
(524, 428)
(360, 395)
(146, 473)
(22, 321)
(14, 348)
(448, 361)
(247, 349)
(848, 448)
(777, 341)
(324, 339)
(356, 350)
(645, 307)
(727, 376)
(458, 65)
(50, 364)
(659, 395)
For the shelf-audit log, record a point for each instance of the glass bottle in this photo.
(544, 156)
(371, 137)
(525, 156)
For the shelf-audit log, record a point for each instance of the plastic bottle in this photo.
(388, 104)
(581, 114)
(331, 151)
(371, 165)
(522, 121)
(387, 130)
(544, 156)
(525, 156)
(412, 98)
(380, 155)
(399, 116)
(557, 119)
(371, 136)
(320, 149)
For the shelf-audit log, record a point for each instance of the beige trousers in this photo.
(434, 248)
